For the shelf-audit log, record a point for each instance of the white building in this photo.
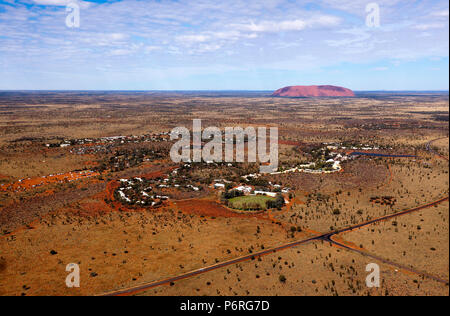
(271, 194)
(245, 189)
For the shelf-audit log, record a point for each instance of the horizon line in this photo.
(191, 90)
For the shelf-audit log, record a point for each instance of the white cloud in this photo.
(428, 26)
(209, 41)
(207, 48)
(192, 38)
(244, 34)
(120, 52)
(381, 68)
(296, 25)
(152, 48)
(83, 4)
(291, 25)
(357, 35)
(324, 20)
(442, 13)
(229, 35)
(117, 36)
(53, 2)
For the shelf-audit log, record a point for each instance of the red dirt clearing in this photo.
(208, 208)
(290, 143)
(31, 183)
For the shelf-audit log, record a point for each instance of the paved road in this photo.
(328, 237)
(386, 261)
(148, 286)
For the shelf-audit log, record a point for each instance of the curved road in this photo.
(328, 237)
(386, 261)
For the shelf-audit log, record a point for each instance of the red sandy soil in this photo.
(313, 91)
(289, 143)
(92, 208)
(153, 175)
(32, 183)
(96, 205)
(91, 163)
(208, 208)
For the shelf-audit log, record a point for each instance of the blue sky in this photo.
(223, 45)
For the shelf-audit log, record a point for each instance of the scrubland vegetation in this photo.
(50, 216)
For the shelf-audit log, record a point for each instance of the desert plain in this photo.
(86, 178)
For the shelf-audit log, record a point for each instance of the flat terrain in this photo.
(65, 155)
(242, 201)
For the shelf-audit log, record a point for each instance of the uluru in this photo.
(313, 91)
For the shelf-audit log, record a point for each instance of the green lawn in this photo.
(250, 202)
